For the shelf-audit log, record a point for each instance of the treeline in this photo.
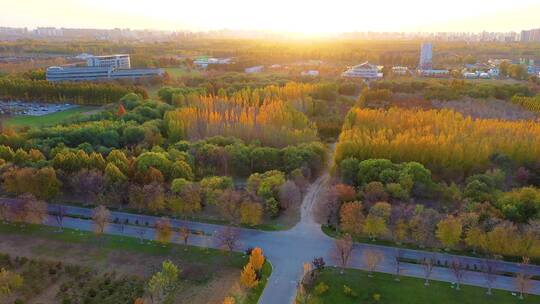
(453, 89)
(181, 181)
(480, 231)
(530, 103)
(273, 122)
(78, 93)
(451, 145)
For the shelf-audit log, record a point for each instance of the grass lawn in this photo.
(179, 72)
(207, 274)
(46, 120)
(407, 291)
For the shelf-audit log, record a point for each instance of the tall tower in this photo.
(426, 57)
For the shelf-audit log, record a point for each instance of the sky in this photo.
(299, 16)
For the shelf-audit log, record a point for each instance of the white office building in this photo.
(364, 70)
(426, 57)
(57, 73)
(119, 61)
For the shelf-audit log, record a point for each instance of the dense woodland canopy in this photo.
(445, 141)
(78, 93)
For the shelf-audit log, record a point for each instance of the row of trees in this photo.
(444, 141)
(371, 259)
(453, 89)
(530, 103)
(480, 231)
(79, 93)
(273, 123)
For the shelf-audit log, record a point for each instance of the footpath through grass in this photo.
(46, 120)
(406, 291)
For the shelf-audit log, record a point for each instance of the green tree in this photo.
(162, 283)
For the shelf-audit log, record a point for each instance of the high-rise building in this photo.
(426, 57)
(530, 35)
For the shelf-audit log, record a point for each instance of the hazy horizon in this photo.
(300, 16)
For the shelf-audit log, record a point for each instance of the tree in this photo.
(121, 111)
(248, 277)
(154, 196)
(184, 234)
(345, 193)
(33, 211)
(289, 195)
(162, 283)
(401, 230)
(327, 208)
(229, 300)
(351, 218)
(457, 269)
(9, 281)
(375, 226)
(256, 258)
(523, 278)
(164, 230)
(227, 238)
(100, 217)
(59, 215)
(427, 264)
(398, 255)
(251, 213)
(490, 271)
(88, 183)
(449, 231)
(213, 186)
(475, 238)
(372, 258)
(342, 251)
(318, 263)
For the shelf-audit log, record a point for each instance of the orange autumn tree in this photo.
(256, 259)
(445, 141)
(248, 277)
(121, 111)
(271, 120)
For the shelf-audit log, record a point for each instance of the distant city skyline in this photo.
(299, 16)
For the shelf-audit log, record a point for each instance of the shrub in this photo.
(321, 288)
(349, 292)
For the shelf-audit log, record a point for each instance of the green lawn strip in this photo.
(366, 240)
(265, 226)
(407, 291)
(188, 254)
(45, 120)
(254, 295)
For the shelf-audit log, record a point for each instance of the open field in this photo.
(207, 275)
(407, 291)
(46, 120)
(179, 72)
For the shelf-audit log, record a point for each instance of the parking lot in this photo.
(16, 108)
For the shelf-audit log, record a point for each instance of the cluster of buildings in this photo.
(369, 71)
(530, 35)
(101, 68)
(13, 33)
(204, 61)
